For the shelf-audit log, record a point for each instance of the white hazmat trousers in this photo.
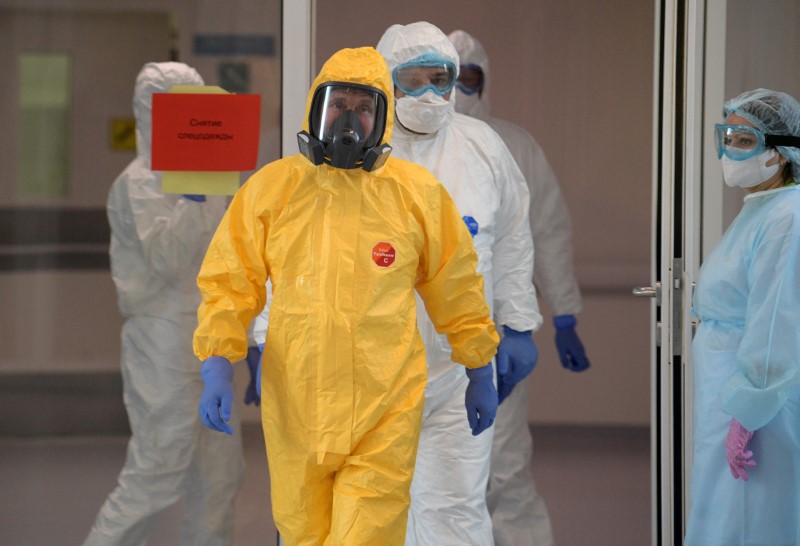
(448, 492)
(519, 514)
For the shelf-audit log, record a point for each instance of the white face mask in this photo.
(424, 114)
(749, 172)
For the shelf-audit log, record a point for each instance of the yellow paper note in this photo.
(212, 89)
(200, 183)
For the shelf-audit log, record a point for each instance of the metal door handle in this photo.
(645, 292)
(649, 292)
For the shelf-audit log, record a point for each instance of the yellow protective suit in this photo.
(344, 366)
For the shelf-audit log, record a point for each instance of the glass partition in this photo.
(68, 131)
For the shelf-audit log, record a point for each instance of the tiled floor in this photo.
(596, 483)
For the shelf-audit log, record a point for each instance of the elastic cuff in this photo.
(565, 321)
(217, 366)
(480, 373)
(508, 331)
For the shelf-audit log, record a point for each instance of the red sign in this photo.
(205, 132)
(383, 254)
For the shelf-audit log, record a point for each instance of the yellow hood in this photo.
(364, 66)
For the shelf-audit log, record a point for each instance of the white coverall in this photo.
(519, 514)
(448, 501)
(158, 242)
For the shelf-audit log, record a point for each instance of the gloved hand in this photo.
(739, 458)
(516, 357)
(481, 398)
(570, 348)
(503, 389)
(217, 399)
(253, 393)
(195, 197)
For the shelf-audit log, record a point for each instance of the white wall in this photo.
(762, 50)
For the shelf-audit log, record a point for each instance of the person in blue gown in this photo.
(745, 486)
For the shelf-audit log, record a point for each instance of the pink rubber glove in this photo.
(736, 450)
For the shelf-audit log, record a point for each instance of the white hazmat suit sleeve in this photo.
(261, 322)
(515, 303)
(550, 222)
(551, 226)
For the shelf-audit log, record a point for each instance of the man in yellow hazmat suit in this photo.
(346, 235)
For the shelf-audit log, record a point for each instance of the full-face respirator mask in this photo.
(346, 125)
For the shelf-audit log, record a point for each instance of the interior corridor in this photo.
(596, 482)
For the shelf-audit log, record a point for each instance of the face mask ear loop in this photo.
(784, 164)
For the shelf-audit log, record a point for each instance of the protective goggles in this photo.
(420, 75)
(740, 142)
(470, 79)
(341, 110)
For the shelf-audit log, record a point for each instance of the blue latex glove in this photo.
(481, 398)
(194, 197)
(516, 358)
(216, 402)
(503, 389)
(253, 393)
(570, 348)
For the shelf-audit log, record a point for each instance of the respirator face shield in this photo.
(346, 122)
(356, 110)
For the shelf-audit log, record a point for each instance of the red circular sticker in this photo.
(383, 254)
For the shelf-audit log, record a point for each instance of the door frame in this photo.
(688, 94)
(297, 67)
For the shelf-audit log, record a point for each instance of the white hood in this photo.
(401, 44)
(471, 51)
(156, 78)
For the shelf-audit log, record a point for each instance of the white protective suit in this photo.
(448, 502)
(519, 514)
(158, 242)
(745, 360)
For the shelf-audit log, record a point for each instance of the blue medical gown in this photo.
(746, 361)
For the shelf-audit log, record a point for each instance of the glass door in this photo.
(684, 94)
